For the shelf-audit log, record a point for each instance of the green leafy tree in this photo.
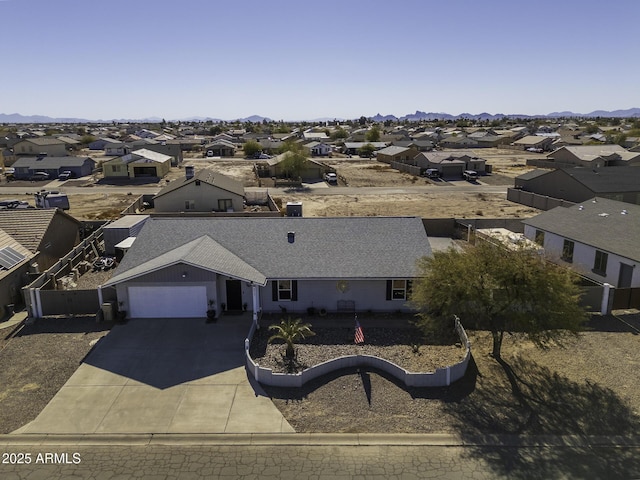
(290, 331)
(294, 160)
(500, 290)
(339, 133)
(87, 139)
(367, 150)
(373, 135)
(251, 147)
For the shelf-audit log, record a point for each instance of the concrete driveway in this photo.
(163, 376)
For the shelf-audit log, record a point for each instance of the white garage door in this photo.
(167, 302)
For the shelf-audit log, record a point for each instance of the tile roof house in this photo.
(48, 233)
(182, 267)
(204, 191)
(599, 238)
(580, 184)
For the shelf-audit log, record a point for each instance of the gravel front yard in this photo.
(37, 361)
(588, 387)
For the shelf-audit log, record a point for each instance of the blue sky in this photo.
(303, 60)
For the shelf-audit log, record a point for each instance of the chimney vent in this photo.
(291, 237)
(189, 171)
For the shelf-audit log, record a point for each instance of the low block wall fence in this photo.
(440, 378)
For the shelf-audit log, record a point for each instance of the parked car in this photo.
(331, 178)
(39, 176)
(431, 173)
(470, 175)
(66, 175)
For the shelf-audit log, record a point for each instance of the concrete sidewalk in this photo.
(163, 376)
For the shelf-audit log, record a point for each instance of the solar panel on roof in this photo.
(9, 258)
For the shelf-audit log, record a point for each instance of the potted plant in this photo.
(211, 312)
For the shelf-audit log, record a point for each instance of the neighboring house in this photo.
(72, 143)
(141, 163)
(318, 149)
(44, 145)
(535, 142)
(219, 148)
(204, 191)
(25, 167)
(116, 149)
(458, 141)
(101, 143)
(15, 261)
(47, 233)
(450, 164)
(353, 148)
(312, 170)
(182, 267)
(599, 238)
(270, 145)
(7, 158)
(317, 136)
(174, 150)
(580, 184)
(396, 154)
(594, 156)
(420, 145)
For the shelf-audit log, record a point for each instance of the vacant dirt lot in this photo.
(36, 363)
(429, 205)
(589, 387)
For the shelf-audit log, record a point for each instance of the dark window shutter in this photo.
(294, 290)
(274, 290)
(409, 288)
(389, 287)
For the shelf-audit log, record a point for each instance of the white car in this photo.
(331, 178)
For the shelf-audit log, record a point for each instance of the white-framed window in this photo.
(398, 289)
(600, 263)
(285, 290)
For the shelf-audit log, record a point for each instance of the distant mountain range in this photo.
(417, 116)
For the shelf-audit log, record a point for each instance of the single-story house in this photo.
(353, 148)
(182, 267)
(312, 170)
(15, 261)
(599, 238)
(396, 154)
(25, 167)
(318, 149)
(141, 163)
(47, 233)
(116, 149)
(49, 146)
(458, 141)
(219, 148)
(580, 184)
(174, 150)
(450, 164)
(204, 191)
(101, 143)
(270, 145)
(594, 156)
(420, 145)
(536, 142)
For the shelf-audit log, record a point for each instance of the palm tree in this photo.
(290, 331)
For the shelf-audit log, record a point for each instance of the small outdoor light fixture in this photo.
(184, 274)
(291, 237)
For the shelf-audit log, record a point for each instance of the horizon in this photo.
(292, 61)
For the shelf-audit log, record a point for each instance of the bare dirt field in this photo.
(241, 170)
(428, 205)
(581, 389)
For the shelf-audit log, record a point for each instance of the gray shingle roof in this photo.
(249, 248)
(616, 232)
(26, 226)
(607, 179)
(51, 162)
(209, 177)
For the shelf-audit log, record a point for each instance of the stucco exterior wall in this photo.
(205, 199)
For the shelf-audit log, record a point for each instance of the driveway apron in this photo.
(163, 376)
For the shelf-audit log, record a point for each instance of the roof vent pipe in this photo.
(189, 171)
(291, 237)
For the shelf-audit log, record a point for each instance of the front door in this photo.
(626, 273)
(234, 295)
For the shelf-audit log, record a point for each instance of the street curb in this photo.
(322, 439)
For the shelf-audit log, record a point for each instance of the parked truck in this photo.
(46, 199)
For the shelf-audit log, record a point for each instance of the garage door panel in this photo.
(167, 302)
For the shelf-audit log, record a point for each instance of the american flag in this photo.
(358, 338)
